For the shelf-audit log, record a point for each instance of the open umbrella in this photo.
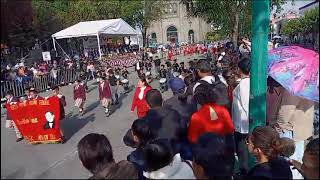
(276, 37)
(296, 69)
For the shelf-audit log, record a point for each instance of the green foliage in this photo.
(306, 24)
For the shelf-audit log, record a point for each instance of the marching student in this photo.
(9, 122)
(105, 95)
(34, 94)
(79, 95)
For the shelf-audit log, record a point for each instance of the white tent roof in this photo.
(113, 27)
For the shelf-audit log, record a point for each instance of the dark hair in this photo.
(203, 66)
(141, 129)
(269, 142)
(123, 170)
(215, 154)
(27, 89)
(56, 88)
(203, 94)
(245, 65)
(313, 147)
(10, 92)
(95, 152)
(143, 79)
(154, 98)
(158, 154)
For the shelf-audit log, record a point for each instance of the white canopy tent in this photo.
(110, 27)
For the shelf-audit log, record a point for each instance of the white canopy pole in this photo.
(99, 45)
(54, 46)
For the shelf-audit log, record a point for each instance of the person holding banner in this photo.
(79, 95)
(105, 95)
(34, 94)
(63, 103)
(9, 122)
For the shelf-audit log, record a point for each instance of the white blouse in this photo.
(141, 93)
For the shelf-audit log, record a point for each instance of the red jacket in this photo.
(105, 91)
(142, 105)
(202, 122)
(80, 92)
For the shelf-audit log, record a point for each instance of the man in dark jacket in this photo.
(184, 105)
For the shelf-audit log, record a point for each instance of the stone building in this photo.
(176, 26)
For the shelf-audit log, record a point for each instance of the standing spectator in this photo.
(9, 121)
(292, 117)
(139, 99)
(185, 106)
(79, 95)
(105, 94)
(141, 135)
(90, 71)
(211, 117)
(265, 144)
(163, 163)
(310, 166)
(95, 154)
(240, 113)
(214, 157)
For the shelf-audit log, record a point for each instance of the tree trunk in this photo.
(235, 30)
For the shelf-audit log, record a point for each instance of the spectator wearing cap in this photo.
(240, 113)
(213, 157)
(9, 121)
(211, 117)
(184, 106)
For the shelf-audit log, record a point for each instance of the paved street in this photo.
(22, 160)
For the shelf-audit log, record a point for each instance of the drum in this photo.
(117, 76)
(148, 73)
(162, 80)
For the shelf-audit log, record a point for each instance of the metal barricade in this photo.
(42, 83)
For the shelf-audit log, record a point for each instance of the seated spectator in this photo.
(265, 144)
(163, 163)
(214, 157)
(211, 117)
(141, 135)
(310, 166)
(95, 153)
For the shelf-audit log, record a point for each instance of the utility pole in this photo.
(259, 56)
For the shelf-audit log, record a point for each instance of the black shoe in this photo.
(19, 139)
(108, 114)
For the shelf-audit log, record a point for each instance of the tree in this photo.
(150, 11)
(228, 14)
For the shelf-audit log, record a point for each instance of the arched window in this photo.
(172, 34)
(153, 38)
(190, 37)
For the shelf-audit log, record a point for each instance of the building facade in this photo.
(176, 26)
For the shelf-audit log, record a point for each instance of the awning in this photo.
(110, 27)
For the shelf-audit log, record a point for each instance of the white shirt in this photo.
(140, 96)
(210, 79)
(240, 106)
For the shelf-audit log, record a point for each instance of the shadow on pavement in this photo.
(19, 173)
(72, 124)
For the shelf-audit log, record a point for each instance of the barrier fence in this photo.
(40, 83)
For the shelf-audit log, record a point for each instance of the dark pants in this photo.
(242, 151)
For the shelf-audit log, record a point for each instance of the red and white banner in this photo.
(37, 120)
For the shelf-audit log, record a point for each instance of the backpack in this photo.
(220, 90)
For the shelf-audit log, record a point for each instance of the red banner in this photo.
(37, 120)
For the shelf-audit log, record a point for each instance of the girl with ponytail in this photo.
(268, 148)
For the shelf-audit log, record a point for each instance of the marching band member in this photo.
(139, 99)
(34, 94)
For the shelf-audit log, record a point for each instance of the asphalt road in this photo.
(22, 160)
